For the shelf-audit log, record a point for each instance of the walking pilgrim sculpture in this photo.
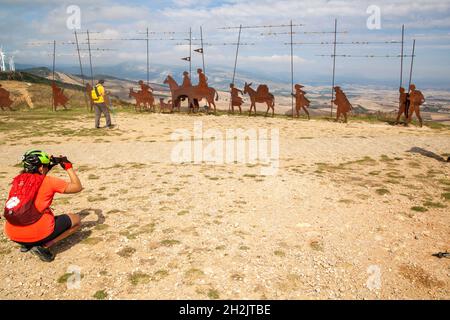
(403, 105)
(301, 102)
(343, 105)
(416, 99)
(59, 98)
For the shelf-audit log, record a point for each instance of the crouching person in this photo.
(30, 221)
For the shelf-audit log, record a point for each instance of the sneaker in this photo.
(43, 253)
(24, 248)
(111, 126)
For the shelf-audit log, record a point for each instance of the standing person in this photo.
(416, 99)
(343, 105)
(403, 105)
(98, 94)
(30, 220)
(301, 102)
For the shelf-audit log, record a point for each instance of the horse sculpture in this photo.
(194, 94)
(147, 100)
(261, 95)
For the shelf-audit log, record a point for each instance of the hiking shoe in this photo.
(43, 253)
(24, 248)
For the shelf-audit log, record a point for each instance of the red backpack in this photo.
(20, 209)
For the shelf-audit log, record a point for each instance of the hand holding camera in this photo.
(62, 161)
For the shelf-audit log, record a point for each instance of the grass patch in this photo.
(126, 252)
(316, 245)
(100, 295)
(92, 241)
(382, 192)
(65, 277)
(430, 204)
(5, 251)
(183, 212)
(279, 253)
(395, 175)
(385, 158)
(170, 243)
(139, 277)
(419, 209)
(96, 199)
(160, 274)
(446, 196)
(101, 227)
(213, 294)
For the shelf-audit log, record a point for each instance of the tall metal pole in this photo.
(334, 65)
(235, 63)
(401, 57)
(53, 72)
(90, 58)
(190, 52)
(237, 53)
(148, 63)
(412, 63)
(292, 69)
(203, 49)
(81, 70)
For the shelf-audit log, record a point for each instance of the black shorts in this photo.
(62, 224)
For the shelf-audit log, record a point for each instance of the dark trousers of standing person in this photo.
(100, 108)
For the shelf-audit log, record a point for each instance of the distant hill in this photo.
(36, 76)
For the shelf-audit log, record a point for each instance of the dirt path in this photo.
(350, 205)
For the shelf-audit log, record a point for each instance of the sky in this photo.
(23, 24)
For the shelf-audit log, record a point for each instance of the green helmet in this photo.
(33, 159)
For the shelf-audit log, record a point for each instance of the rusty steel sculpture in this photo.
(261, 95)
(165, 106)
(59, 98)
(416, 99)
(343, 105)
(301, 102)
(236, 100)
(89, 89)
(144, 98)
(5, 101)
(403, 105)
(194, 94)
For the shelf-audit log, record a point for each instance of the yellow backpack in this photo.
(95, 94)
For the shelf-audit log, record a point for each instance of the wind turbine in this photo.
(2, 60)
(12, 65)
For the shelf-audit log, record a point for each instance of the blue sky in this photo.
(428, 22)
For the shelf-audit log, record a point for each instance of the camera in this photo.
(57, 160)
